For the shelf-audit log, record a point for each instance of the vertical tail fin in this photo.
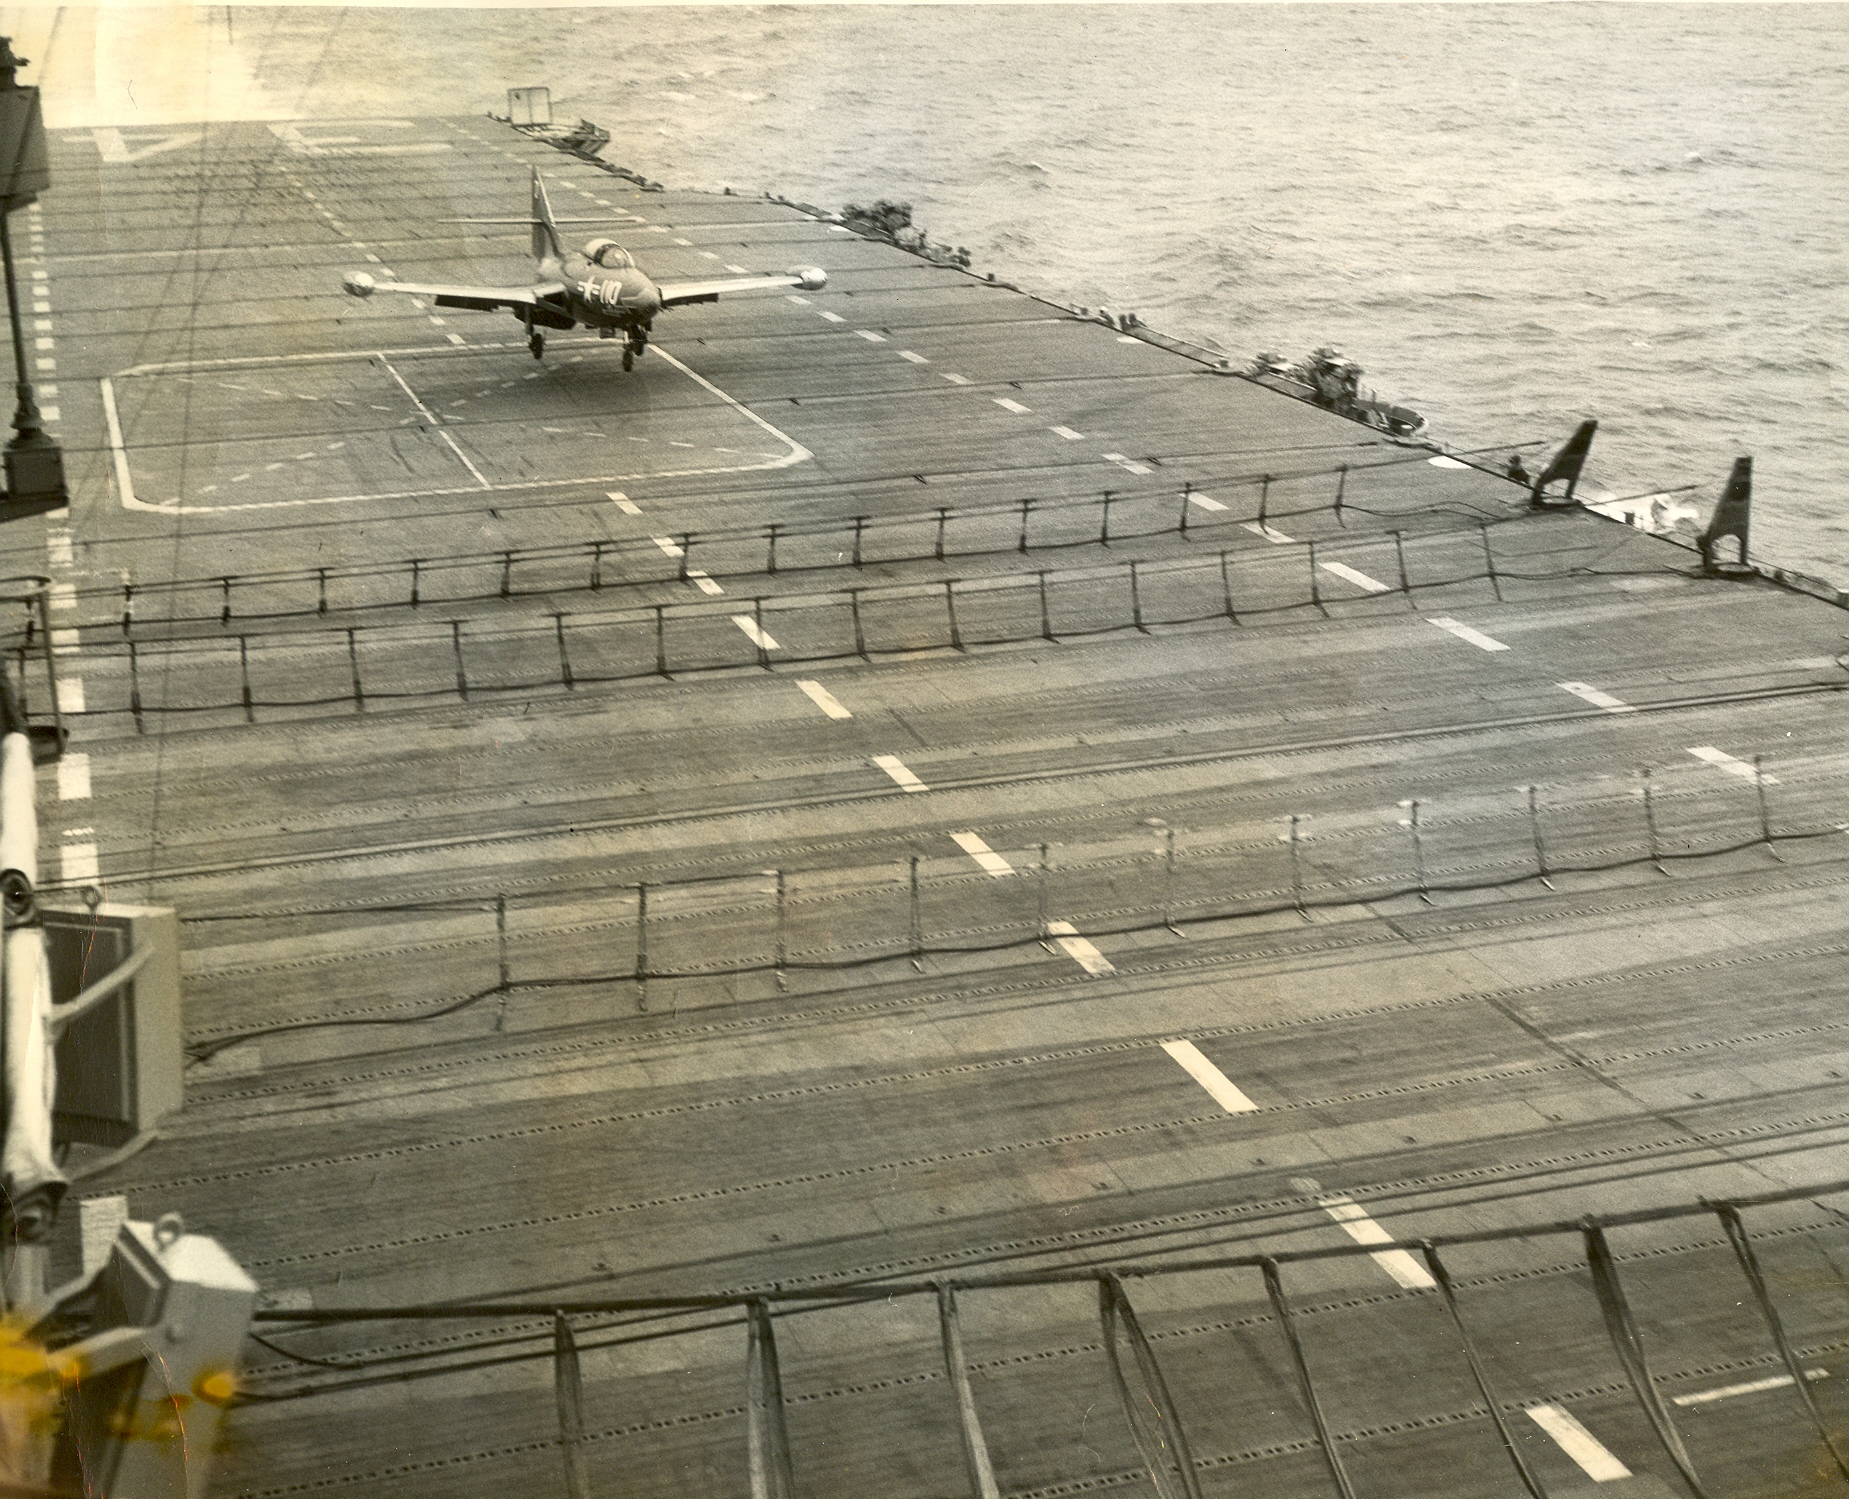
(545, 232)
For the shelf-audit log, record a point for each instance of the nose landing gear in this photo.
(638, 343)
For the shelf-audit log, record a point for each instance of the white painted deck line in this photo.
(1721, 760)
(799, 301)
(58, 547)
(1597, 698)
(1130, 465)
(824, 699)
(915, 358)
(1014, 406)
(757, 637)
(1078, 949)
(1752, 1387)
(895, 767)
(1067, 433)
(1276, 537)
(737, 270)
(833, 317)
(74, 777)
(672, 548)
(1205, 501)
(1578, 1443)
(704, 582)
(1463, 632)
(1355, 576)
(62, 595)
(624, 503)
(77, 862)
(1356, 1223)
(1219, 1087)
(957, 379)
(983, 854)
(70, 695)
(870, 336)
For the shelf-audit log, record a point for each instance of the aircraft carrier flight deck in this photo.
(915, 819)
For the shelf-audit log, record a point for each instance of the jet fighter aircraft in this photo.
(599, 286)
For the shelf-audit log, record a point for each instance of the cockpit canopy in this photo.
(608, 254)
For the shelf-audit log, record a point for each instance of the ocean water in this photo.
(1513, 216)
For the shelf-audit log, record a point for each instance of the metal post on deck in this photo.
(860, 638)
(767, 1436)
(1628, 1344)
(224, 612)
(1762, 1297)
(565, 676)
(250, 711)
(134, 688)
(1316, 592)
(1187, 497)
(417, 567)
(1656, 857)
(1226, 587)
(1280, 1308)
(1044, 866)
(1341, 489)
(860, 526)
(1489, 559)
(1765, 815)
(686, 548)
(770, 553)
(462, 675)
(1046, 616)
(943, 515)
(1418, 850)
(642, 945)
(1264, 499)
(975, 1446)
(1296, 869)
(1104, 526)
(1136, 602)
(1399, 551)
(950, 608)
(1534, 829)
(661, 641)
(1155, 1424)
(1026, 506)
(917, 916)
(783, 932)
(1447, 1292)
(568, 1386)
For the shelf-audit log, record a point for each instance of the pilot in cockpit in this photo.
(612, 256)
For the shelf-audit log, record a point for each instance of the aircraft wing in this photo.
(680, 293)
(481, 298)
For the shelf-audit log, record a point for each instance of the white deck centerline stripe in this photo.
(74, 777)
(1205, 501)
(824, 699)
(1129, 465)
(1078, 949)
(624, 503)
(1721, 760)
(672, 548)
(1578, 1443)
(1752, 1387)
(70, 695)
(704, 583)
(78, 863)
(983, 854)
(956, 379)
(833, 317)
(760, 638)
(1067, 433)
(915, 358)
(1014, 406)
(1463, 632)
(896, 768)
(870, 336)
(1219, 1087)
(1360, 1227)
(1355, 576)
(1275, 537)
(1597, 698)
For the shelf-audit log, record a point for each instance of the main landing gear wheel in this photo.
(629, 358)
(537, 343)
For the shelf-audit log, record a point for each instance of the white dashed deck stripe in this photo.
(983, 854)
(1014, 406)
(1275, 537)
(1597, 698)
(1721, 760)
(1129, 465)
(760, 638)
(74, 777)
(1463, 632)
(1067, 433)
(78, 863)
(1578, 1443)
(1205, 501)
(1217, 1084)
(1752, 1387)
(915, 358)
(1360, 1227)
(895, 767)
(824, 699)
(870, 336)
(1078, 949)
(1355, 575)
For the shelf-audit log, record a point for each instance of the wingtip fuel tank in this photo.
(358, 284)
